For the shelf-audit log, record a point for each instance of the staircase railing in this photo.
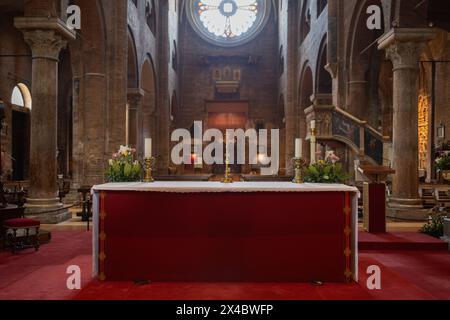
(333, 123)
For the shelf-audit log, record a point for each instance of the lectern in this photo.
(375, 197)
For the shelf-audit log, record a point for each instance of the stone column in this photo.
(357, 100)
(46, 37)
(163, 101)
(291, 112)
(134, 98)
(403, 48)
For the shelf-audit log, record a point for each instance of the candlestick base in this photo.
(227, 178)
(148, 170)
(299, 164)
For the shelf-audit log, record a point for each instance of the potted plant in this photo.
(443, 165)
(326, 171)
(123, 167)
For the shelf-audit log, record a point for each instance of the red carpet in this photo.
(400, 241)
(42, 275)
(28, 275)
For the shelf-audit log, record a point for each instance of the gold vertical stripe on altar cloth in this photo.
(347, 237)
(102, 238)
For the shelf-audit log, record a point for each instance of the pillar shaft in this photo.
(403, 48)
(405, 123)
(135, 97)
(357, 93)
(46, 41)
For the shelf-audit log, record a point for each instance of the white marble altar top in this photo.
(197, 187)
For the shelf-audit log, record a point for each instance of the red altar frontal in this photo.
(211, 232)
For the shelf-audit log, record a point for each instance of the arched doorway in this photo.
(306, 90)
(148, 115)
(65, 115)
(132, 84)
(20, 120)
(324, 82)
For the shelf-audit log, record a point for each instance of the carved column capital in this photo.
(44, 43)
(45, 36)
(404, 46)
(134, 98)
(405, 55)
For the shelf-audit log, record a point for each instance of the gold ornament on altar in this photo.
(299, 165)
(227, 178)
(148, 169)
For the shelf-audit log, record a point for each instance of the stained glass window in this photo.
(228, 22)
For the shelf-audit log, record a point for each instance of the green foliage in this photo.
(443, 162)
(123, 167)
(435, 227)
(326, 171)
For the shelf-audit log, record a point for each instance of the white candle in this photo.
(148, 148)
(298, 148)
(313, 124)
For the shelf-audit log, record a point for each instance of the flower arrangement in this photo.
(435, 225)
(443, 162)
(123, 167)
(326, 171)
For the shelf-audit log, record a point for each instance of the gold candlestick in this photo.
(299, 164)
(228, 178)
(148, 167)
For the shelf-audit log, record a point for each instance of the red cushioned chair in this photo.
(16, 242)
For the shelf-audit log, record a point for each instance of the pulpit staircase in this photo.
(334, 124)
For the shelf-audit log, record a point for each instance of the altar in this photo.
(213, 232)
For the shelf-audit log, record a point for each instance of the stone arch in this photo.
(148, 115)
(306, 90)
(412, 14)
(132, 62)
(363, 65)
(92, 45)
(321, 4)
(324, 82)
(65, 115)
(305, 21)
(20, 113)
(21, 96)
(88, 59)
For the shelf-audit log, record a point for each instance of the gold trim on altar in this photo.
(347, 237)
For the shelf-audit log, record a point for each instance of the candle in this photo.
(298, 148)
(313, 124)
(148, 148)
